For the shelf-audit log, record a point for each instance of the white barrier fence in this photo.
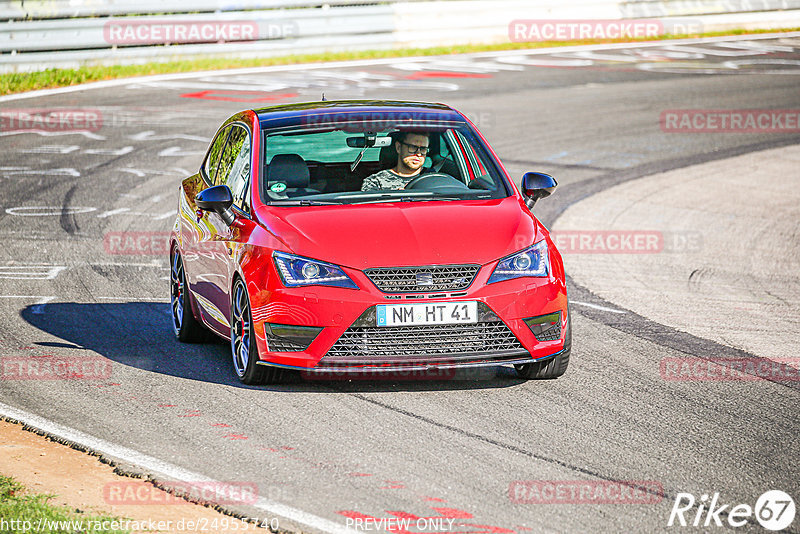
(70, 33)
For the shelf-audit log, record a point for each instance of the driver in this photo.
(412, 148)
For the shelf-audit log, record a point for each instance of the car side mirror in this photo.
(218, 199)
(537, 185)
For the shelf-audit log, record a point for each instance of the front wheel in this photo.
(243, 343)
(555, 366)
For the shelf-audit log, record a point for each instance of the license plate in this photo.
(427, 313)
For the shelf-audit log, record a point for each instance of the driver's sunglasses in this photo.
(414, 149)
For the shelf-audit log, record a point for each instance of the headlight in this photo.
(297, 271)
(533, 261)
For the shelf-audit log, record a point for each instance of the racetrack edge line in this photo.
(107, 450)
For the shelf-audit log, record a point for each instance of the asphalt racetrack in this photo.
(467, 449)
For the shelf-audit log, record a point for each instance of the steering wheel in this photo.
(432, 178)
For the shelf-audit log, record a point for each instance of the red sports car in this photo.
(362, 237)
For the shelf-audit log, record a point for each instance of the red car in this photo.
(359, 237)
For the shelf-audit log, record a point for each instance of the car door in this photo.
(223, 243)
(196, 230)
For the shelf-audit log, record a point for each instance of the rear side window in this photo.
(213, 157)
(234, 166)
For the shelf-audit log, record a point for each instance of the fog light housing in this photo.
(545, 327)
(289, 338)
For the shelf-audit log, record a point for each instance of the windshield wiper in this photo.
(394, 198)
(426, 198)
(304, 202)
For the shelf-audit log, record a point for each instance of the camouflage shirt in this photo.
(386, 179)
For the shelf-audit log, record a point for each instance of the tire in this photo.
(554, 367)
(243, 347)
(184, 324)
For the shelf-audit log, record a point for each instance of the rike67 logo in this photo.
(774, 510)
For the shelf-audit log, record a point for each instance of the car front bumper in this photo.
(346, 338)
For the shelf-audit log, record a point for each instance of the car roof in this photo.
(343, 111)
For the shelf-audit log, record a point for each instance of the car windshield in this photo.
(347, 164)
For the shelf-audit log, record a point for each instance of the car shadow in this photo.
(139, 335)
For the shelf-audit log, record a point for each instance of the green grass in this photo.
(21, 512)
(29, 81)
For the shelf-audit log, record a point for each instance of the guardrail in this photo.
(70, 33)
(57, 9)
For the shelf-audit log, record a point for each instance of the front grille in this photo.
(423, 279)
(428, 340)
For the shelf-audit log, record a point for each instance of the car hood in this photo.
(404, 233)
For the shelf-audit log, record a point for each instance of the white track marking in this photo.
(176, 151)
(136, 172)
(160, 467)
(51, 149)
(43, 133)
(596, 307)
(459, 65)
(154, 263)
(30, 272)
(38, 306)
(140, 173)
(523, 59)
(46, 211)
(109, 151)
(129, 213)
(27, 171)
(39, 299)
(151, 136)
(112, 212)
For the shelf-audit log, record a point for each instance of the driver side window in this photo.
(234, 168)
(214, 154)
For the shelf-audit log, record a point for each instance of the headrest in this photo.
(388, 156)
(290, 169)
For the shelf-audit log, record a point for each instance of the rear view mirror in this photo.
(218, 199)
(537, 185)
(360, 142)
